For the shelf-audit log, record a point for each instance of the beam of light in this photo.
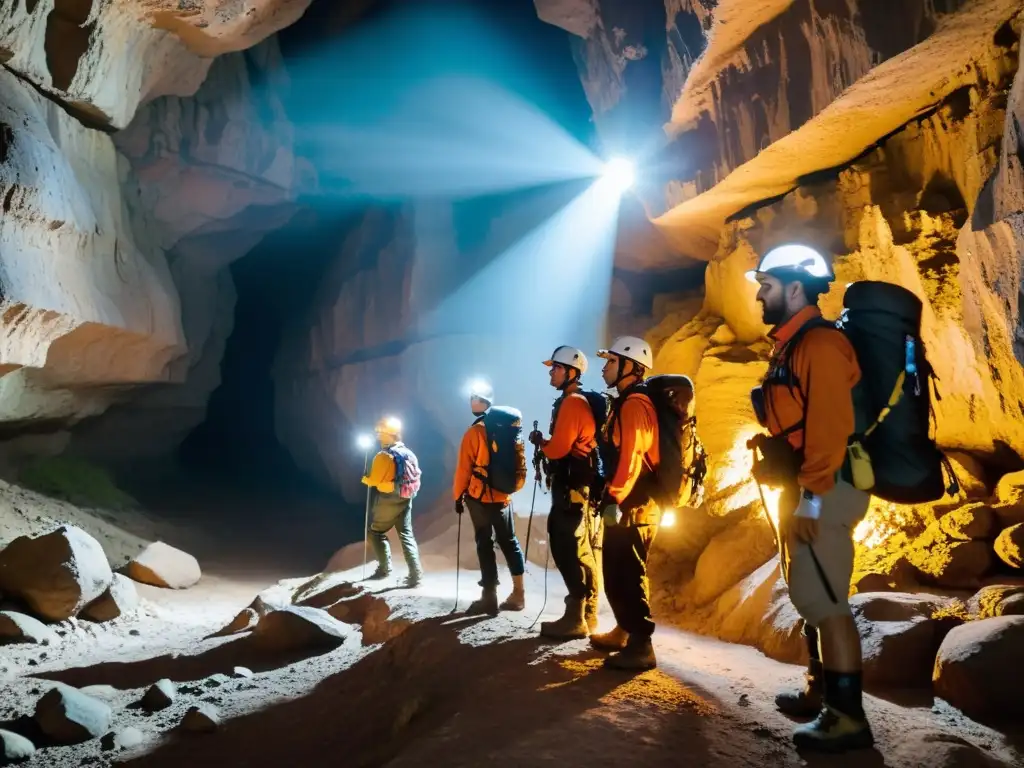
(364, 442)
(548, 287)
(619, 173)
(668, 518)
(410, 105)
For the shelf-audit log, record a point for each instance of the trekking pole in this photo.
(544, 604)
(533, 501)
(458, 552)
(366, 515)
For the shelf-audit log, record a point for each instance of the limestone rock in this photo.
(15, 747)
(159, 696)
(245, 621)
(1010, 546)
(900, 635)
(120, 599)
(997, 600)
(948, 562)
(19, 628)
(125, 738)
(161, 565)
(942, 750)
(729, 558)
(203, 718)
(68, 716)
(975, 521)
(241, 672)
(980, 668)
(298, 628)
(56, 574)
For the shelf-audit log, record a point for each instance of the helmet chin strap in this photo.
(569, 378)
(622, 376)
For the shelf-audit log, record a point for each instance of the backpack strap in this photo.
(784, 357)
(477, 469)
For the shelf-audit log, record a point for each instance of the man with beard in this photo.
(806, 404)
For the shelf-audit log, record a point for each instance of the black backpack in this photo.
(892, 400)
(684, 462)
(506, 471)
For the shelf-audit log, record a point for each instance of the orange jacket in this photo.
(825, 365)
(575, 429)
(635, 434)
(473, 454)
(382, 473)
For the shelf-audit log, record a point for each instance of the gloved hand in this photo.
(804, 525)
(609, 508)
(536, 437)
(460, 507)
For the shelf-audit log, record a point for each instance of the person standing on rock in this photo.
(394, 479)
(491, 467)
(631, 514)
(806, 404)
(573, 465)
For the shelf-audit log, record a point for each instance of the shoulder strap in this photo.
(785, 355)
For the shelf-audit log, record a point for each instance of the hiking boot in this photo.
(517, 600)
(413, 580)
(590, 613)
(570, 627)
(610, 641)
(833, 731)
(380, 573)
(806, 702)
(636, 656)
(488, 603)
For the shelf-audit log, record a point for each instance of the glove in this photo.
(536, 437)
(460, 507)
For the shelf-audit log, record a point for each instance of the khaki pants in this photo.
(830, 558)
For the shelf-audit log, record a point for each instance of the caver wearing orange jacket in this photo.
(628, 506)
(807, 398)
(572, 464)
(489, 511)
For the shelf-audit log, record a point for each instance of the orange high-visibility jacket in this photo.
(575, 430)
(635, 435)
(826, 367)
(473, 454)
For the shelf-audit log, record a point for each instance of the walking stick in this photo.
(458, 550)
(366, 516)
(533, 501)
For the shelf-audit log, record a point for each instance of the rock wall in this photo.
(109, 277)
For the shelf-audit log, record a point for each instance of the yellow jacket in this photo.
(382, 473)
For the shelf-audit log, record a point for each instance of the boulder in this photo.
(159, 696)
(125, 738)
(161, 565)
(974, 521)
(1009, 546)
(67, 716)
(120, 599)
(298, 628)
(14, 748)
(730, 557)
(899, 637)
(203, 718)
(980, 668)
(56, 574)
(245, 621)
(997, 600)
(324, 590)
(19, 628)
(948, 562)
(755, 612)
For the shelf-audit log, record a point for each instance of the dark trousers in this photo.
(627, 546)
(570, 534)
(490, 521)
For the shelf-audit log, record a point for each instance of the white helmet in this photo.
(481, 390)
(631, 348)
(798, 260)
(568, 356)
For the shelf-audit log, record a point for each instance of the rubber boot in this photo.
(610, 641)
(806, 702)
(571, 626)
(488, 603)
(590, 613)
(841, 726)
(517, 600)
(638, 655)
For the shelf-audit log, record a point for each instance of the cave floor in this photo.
(448, 690)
